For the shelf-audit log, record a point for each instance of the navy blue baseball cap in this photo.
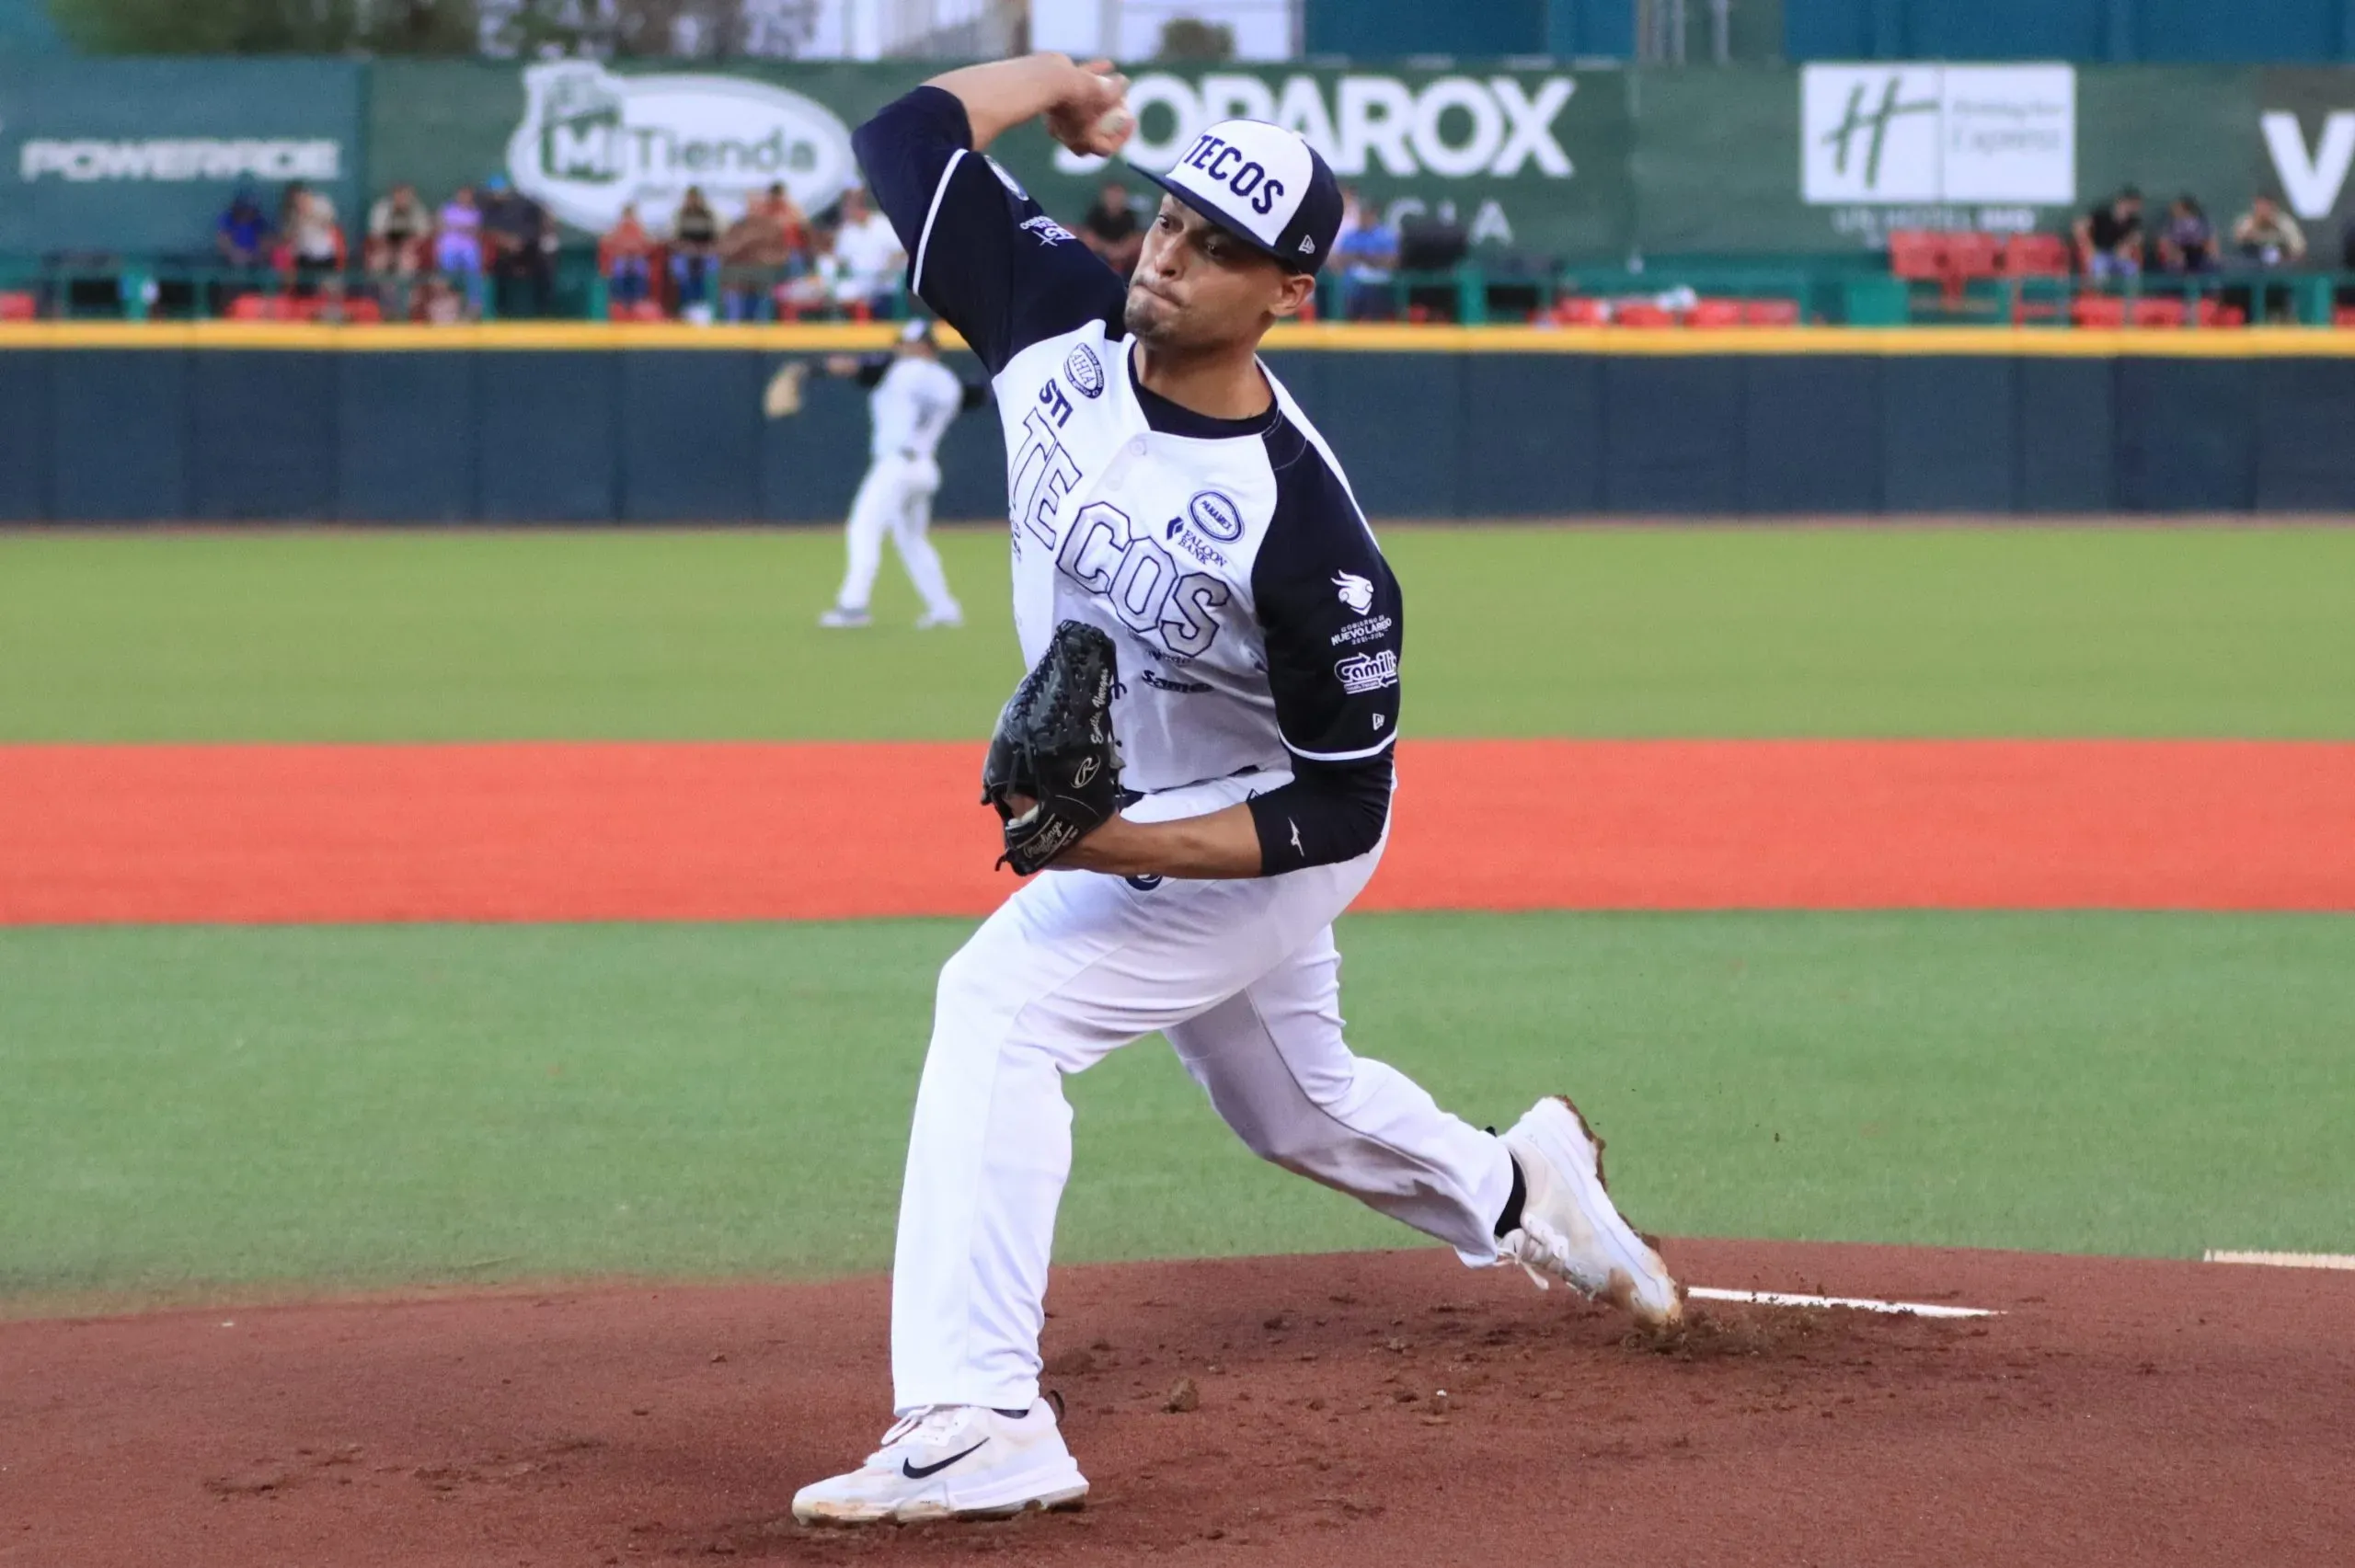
(1264, 184)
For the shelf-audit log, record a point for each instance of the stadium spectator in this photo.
(790, 220)
(2111, 238)
(309, 238)
(625, 259)
(522, 246)
(1111, 230)
(2268, 237)
(2188, 243)
(1367, 248)
(816, 281)
(695, 253)
(2265, 239)
(400, 233)
(457, 241)
(870, 256)
(753, 254)
(243, 233)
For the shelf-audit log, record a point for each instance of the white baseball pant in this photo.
(896, 499)
(1244, 980)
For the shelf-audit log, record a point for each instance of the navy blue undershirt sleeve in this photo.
(982, 253)
(1334, 624)
(872, 369)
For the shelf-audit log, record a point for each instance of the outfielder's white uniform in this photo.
(910, 410)
(1258, 633)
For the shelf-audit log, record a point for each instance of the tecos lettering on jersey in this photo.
(1208, 549)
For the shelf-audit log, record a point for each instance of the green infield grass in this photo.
(197, 1110)
(1725, 631)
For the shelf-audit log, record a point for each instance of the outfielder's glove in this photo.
(1054, 744)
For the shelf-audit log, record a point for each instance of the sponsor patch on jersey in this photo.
(1005, 179)
(1371, 629)
(1357, 593)
(1085, 370)
(1163, 683)
(1364, 673)
(1217, 515)
(1046, 230)
(1178, 534)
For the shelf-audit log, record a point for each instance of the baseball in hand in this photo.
(1115, 123)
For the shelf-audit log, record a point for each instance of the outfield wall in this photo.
(587, 424)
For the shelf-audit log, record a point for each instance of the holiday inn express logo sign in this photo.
(1898, 134)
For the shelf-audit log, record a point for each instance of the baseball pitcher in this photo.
(1200, 760)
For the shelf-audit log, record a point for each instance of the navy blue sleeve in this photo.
(982, 253)
(1335, 625)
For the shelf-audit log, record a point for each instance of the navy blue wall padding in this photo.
(1532, 436)
(550, 444)
(25, 406)
(1671, 435)
(119, 436)
(811, 461)
(2066, 434)
(653, 436)
(1810, 435)
(2186, 435)
(1946, 435)
(1396, 422)
(691, 434)
(263, 435)
(406, 438)
(2305, 435)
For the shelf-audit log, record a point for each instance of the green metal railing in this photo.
(1830, 289)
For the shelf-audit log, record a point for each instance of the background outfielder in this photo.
(915, 398)
(1176, 516)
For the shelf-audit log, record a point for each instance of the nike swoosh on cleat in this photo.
(914, 1471)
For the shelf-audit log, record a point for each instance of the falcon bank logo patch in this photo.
(1357, 593)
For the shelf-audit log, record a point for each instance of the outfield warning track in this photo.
(573, 831)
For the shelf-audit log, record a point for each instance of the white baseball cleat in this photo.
(946, 618)
(839, 617)
(952, 1462)
(1569, 1228)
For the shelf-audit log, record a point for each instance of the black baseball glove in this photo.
(1054, 746)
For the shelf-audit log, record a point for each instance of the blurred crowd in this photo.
(2122, 240)
(492, 250)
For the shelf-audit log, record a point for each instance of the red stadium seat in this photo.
(1770, 313)
(1639, 312)
(2037, 256)
(2156, 313)
(1576, 310)
(261, 307)
(1918, 255)
(1716, 313)
(2097, 310)
(2342, 315)
(17, 306)
(2212, 311)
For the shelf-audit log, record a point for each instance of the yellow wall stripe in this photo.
(2252, 343)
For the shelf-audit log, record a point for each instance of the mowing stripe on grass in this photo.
(557, 831)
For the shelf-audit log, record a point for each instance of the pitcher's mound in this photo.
(2118, 1411)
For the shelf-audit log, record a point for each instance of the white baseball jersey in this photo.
(1255, 619)
(912, 407)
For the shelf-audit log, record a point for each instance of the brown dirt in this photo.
(587, 831)
(2120, 1411)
